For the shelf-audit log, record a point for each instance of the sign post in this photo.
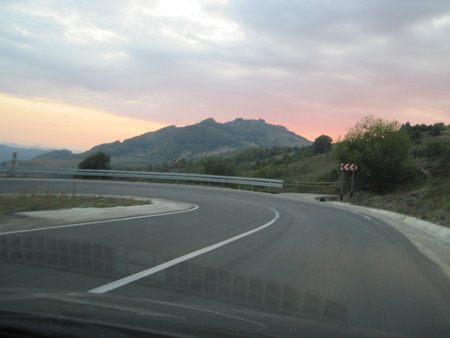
(348, 167)
(353, 184)
(13, 162)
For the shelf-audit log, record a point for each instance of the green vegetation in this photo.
(218, 166)
(98, 160)
(430, 143)
(427, 199)
(420, 154)
(381, 150)
(10, 204)
(428, 196)
(296, 166)
(322, 144)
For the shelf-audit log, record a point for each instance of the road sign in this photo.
(349, 167)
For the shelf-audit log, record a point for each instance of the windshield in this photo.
(225, 167)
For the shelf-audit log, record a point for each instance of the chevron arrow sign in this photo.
(349, 167)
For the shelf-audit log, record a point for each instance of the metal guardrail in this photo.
(312, 187)
(252, 181)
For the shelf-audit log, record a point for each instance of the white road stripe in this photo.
(97, 222)
(132, 278)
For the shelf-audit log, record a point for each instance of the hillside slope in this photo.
(207, 138)
(23, 153)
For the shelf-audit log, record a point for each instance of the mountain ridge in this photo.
(206, 138)
(23, 152)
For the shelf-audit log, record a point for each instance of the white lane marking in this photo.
(102, 221)
(132, 278)
(361, 214)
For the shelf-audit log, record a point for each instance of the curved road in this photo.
(314, 260)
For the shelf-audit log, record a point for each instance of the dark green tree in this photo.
(98, 160)
(437, 129)
(322, 144)
(381, 151)
(218, 166)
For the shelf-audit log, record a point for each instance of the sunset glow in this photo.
(76, 74)
(48, 123)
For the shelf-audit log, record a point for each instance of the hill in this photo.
(426, 197)
(207, 138)
(23, 153)
(57, 159)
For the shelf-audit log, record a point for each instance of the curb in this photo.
(433, 229)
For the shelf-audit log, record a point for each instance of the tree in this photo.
(98, 160)
(322, 144)
(218, 166)
(437, 129)
(381, 151)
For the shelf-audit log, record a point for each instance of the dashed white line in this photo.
(132, 278)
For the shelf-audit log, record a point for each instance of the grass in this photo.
(428, 201)
(10, 204)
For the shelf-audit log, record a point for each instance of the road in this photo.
(311, 259)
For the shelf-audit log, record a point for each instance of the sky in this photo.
(75, 74)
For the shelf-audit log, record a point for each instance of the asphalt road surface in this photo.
(305, 259)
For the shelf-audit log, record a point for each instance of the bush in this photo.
(435, 150)
(98, 160)
(381, 151)
(218, 166)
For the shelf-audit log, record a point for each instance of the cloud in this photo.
(295, 63)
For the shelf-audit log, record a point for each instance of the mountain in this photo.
(207, 138)
(57, 159)
(56, 155)
(23, 153)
